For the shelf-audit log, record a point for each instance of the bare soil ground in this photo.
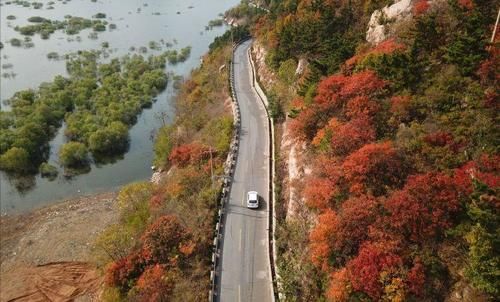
(46, 254)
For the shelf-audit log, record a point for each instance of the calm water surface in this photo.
(138, 22)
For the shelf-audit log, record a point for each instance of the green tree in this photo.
(468, 46)
(15, 160)
(73, 154)
(47, 170)
(133, 202)
(286, 71)
(163, 145)
(483, 268)
(110, 140)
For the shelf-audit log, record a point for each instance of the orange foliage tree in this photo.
(121, 272)
(155, 284)
(325, 184)
(163, 239)
(319, 192)
(339, 286)
(337, 236)
(321, 238)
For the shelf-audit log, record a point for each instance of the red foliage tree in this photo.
(322, 187)
(485, 169)
(345, 137)
(337, 89)
(487, 70)
(306, 124)
(163, 239)
(352, 135)
(443, 139)
(356, 215)
(416, 278)
(421, 7)
(439, 139)
(121, 272)
(332, 95)
(361, 106)
(401, 108)
(365, 270)
(424, 207)
(467, 4)
(373, 168)
(491, 98)
(187, 154)
(365, 83)
(154, 285)
(329, 89)
(386, 47)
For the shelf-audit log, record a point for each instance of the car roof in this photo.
(252, 194)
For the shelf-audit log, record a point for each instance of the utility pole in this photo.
(211, 166)
(493, 36)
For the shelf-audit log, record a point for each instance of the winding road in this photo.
(246, 272)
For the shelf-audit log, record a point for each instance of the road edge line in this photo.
(272, 209)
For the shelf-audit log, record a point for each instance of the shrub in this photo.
(73, 154)
(48, 170)
(15, 42)
(110, 140)
(163, 240)
(37, 19)
(15, 160)
(100, 16)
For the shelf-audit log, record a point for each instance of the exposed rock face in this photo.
(384, 21)
(266, 76)
(463, 292)
(301, 66)
(291, 151)
(294, 153)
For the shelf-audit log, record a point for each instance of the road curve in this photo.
(246, 273)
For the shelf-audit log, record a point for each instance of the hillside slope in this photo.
(389, 164)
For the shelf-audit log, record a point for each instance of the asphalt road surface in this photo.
(246, 272)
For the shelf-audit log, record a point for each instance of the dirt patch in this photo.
(46, 254)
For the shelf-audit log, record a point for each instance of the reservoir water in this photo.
(179, 22)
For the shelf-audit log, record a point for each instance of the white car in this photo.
(252, 200)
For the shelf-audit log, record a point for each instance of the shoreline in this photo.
(55, 202)
(42, 247)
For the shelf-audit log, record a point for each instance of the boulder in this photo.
(382, 21)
